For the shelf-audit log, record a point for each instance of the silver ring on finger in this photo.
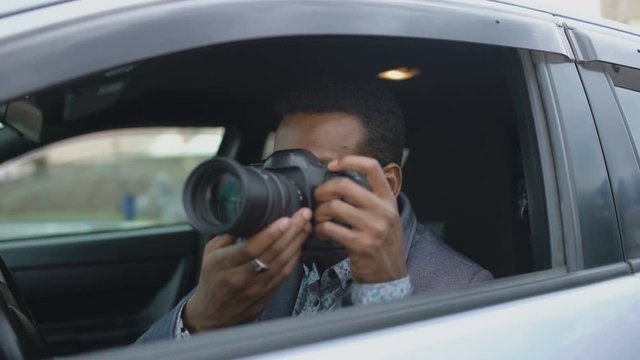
(258, 266)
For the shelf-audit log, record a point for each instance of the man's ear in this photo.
(393, 173)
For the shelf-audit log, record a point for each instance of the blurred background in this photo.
(110, 180)
(624, 11)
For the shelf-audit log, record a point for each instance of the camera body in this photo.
(303, 169)
(222, 196)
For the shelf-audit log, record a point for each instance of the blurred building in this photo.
(626, 11)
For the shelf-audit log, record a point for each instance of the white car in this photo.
(522, 153)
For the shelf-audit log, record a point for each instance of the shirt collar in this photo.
(409, 223)
(341, 270)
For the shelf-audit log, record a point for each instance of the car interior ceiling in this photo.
(464, 164)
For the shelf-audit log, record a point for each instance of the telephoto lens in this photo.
(222, 196)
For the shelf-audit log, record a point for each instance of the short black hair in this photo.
(375, 106)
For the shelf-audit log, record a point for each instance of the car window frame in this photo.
(567, 106)
(600, 50)
(84, 30)
(618, 146)
(551, 74)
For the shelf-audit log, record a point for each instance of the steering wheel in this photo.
(20, 337)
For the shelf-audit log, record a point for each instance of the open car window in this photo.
(471, 166)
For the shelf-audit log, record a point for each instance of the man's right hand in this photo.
(229, 290)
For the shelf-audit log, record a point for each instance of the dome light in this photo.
(398, 74)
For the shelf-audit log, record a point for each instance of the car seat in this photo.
(463, 170)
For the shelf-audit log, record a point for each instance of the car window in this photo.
(471, 178)
(630, 102)
(111, 180)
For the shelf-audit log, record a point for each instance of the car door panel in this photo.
(93, 291)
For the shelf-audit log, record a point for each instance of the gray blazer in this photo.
(430, 262)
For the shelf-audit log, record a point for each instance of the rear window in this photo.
(112, 180)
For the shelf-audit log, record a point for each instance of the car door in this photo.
(580, 215)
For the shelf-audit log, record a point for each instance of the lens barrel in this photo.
(221, 196)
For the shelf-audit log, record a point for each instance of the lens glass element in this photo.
(226, 198)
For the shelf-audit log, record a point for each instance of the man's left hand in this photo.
(366, 223)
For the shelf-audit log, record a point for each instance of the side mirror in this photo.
(24, 117)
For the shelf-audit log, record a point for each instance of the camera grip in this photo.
(353, 175)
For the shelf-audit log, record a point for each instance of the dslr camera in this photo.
(221, 196)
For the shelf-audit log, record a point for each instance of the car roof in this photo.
(12, 8)
(8, 8)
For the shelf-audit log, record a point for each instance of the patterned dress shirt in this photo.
(324, 292)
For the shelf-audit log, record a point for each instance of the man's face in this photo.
(327, 135)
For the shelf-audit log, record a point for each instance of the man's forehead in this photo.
(327, 135)
(333, 118)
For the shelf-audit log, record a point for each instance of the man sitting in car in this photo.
(390, 255)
